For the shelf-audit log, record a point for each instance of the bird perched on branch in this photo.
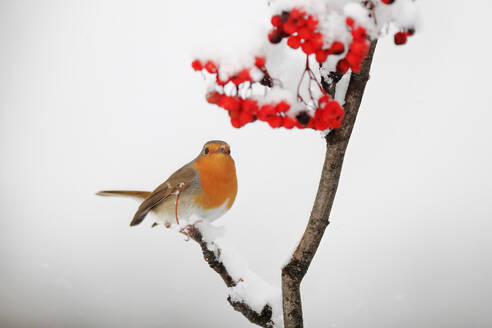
(205, 187)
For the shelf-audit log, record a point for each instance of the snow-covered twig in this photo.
(337, 141)
(248, 293)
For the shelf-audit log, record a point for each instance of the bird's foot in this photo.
(187, 230)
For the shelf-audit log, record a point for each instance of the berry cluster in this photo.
(237, 79)
(328, 115)
(300, 29)
(357, 50)
(243, 111)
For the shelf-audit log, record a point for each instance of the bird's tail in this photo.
(125, 193)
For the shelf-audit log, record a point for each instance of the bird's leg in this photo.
(186, 230)
(178, 193)
(189, 227)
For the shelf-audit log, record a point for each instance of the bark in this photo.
(336, 142)
(263, 319)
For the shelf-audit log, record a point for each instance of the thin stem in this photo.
(337, 142)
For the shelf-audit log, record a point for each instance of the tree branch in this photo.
(212, 257)
(337, 141)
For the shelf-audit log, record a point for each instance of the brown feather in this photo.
(125, 193)
(184, 175)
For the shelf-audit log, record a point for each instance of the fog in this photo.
(100, 94)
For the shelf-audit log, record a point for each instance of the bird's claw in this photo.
(187, 230)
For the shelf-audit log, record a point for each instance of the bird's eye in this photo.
(222, 149)
(206, 150)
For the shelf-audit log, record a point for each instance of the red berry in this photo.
(245, 117)
(266, 112)
(359, 33)
(210, 67)
(319, 122)
(277, 21)
(323, 101)
(334, 114)
(342, 66)
(290, 28)
(236, 122)
(305, 33)
(276, 121)
(333, 111)
(400, 38)
(359, 48)
(289, 122)
(282, 107)
(275, 36)
(311, 22)
(317, 41)
(260, 62)
(294, 42)
(337, 48)
(387, 2)
(213, 97)
(295, 14)
(301, 23)
(321, 56)
(349, 21)
(197, 65)
(354, 62)
(251, 106)
(229, 103)
(308, 47)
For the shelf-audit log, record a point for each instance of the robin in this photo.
(205, 187)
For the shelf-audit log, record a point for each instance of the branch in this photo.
(337, 141)
(212, 255)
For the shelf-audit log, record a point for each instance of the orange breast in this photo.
(218, 181)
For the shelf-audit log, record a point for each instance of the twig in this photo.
(264, 318)
(337, 141)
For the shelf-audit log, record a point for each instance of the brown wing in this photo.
(180, 180)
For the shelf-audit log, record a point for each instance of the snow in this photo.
(291, 253)
(404, 14)
(250, 288)
(210, 232)
(332, 25)
(360, 14)
(342, 87)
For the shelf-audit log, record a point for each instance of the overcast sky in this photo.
(100, 94)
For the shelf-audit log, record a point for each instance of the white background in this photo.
(100, 94)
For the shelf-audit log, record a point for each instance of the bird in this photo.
(206, 187)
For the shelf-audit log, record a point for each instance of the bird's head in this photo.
(215, 148)
(216, 154)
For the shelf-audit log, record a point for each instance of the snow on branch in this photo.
(249, 294)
